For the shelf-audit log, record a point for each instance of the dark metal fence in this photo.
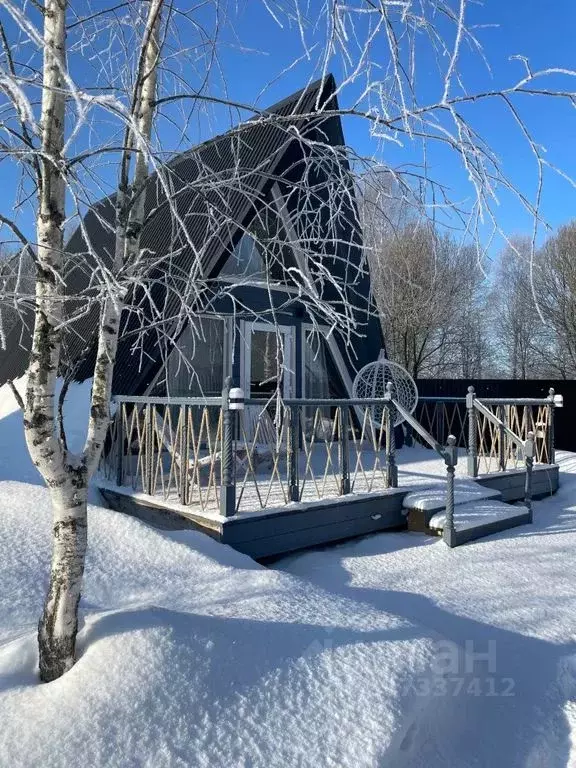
(511, 389)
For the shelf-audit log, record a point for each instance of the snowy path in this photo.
(512, 595)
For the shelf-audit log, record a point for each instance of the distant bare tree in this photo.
(473, 356)
(517, 327)
(554, 281)
(427, 290)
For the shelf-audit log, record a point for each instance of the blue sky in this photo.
(543, 31)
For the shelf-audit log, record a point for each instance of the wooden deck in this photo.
(279, 526)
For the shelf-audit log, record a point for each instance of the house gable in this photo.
(215, 214)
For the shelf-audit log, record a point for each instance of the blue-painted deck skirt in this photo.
(271, 532)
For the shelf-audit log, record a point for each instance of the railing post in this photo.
(120, 445)
(344, 451)
(529, 458)
(149, 455)
(550, 442)
(292, 450)
(472, 434)
(502, 438)
(185, 457)
(391, 468)
(228, 482)
(451, 459)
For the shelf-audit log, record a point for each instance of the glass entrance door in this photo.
(268, 360)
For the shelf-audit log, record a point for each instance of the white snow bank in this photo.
(434, 496)
(191, 654)
(76, 407)
(510, 596)
(76, 410)
(475, 514)
(15, 463)
(8, 403)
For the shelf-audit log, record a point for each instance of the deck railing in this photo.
(201, 453)
(448, 452)
(489, 445)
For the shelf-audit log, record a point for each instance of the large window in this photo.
(196, 367)
(266, 364)
(263, 252)
(245, 260)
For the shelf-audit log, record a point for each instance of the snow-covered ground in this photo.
(191, 654)
(511, 596)
(361, 655)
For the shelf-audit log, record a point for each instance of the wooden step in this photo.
(481, 518)
(422, 504)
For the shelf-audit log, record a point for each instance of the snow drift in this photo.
(189, 653)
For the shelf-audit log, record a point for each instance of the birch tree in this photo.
(96, 101)
(67, 474)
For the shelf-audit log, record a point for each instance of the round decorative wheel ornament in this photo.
(371, 381)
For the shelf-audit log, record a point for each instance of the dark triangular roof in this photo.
(213, 187)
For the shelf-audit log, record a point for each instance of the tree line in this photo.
(446, 314)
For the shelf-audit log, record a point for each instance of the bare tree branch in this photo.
(17, 395)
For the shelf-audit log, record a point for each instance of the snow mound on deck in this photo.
(192, 654)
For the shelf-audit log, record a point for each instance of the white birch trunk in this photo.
(67, 476)
(59, 623)
(56, 640)
(46, 451)
(128, 232)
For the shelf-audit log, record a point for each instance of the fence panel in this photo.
(513, 389)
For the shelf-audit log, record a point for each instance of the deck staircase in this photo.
(478, 511)
(464, 510)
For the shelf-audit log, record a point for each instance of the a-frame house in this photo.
(267, 238)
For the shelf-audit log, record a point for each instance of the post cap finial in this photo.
(470, 389)
(450, 453)
(236, 399)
